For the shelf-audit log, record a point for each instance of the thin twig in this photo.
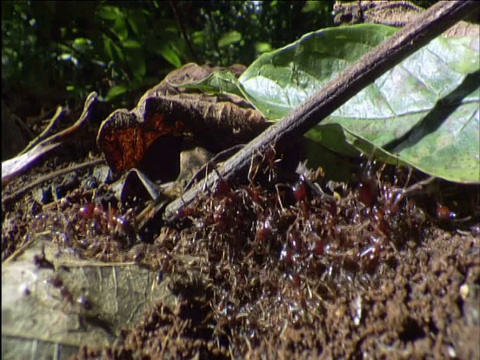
(405, 42)
(82, 120)
(182, 29)
(77, 167)
(14, 167)
(59, 113)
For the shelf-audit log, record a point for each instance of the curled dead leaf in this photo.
(215, 122)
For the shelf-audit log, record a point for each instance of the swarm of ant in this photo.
(278, 251)
(93, 230)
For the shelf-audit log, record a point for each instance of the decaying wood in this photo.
(429, 25)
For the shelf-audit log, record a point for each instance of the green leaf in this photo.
(229, 38)
(137, 19)
(117, 16)
(131, 44)
(223, 81)
(281, 80)
(82, 45)
(136, 63)
(119, 28)
(169, 54)
(107, 12)
(262, 47)
(198, 37)
(423, 112)
(113, 51)
(313, 6)
(115, 92)
(68, 57)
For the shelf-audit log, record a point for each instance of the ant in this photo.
(265, 229)
(67, 295)
(107, 221)
(84, 302)
(270, 155)
(56, 281)
(41, 261)
(266, 157)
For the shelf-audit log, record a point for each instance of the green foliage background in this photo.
(53, 51)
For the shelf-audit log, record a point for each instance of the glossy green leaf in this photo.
(229, 38)
(82, 45)
(107, 12)
(131, 44)
(136, 63)
(119, 28)
(423, 112)
(137, 19)
(281, 80)
(169, 54)
(115, 92)
(114, 52)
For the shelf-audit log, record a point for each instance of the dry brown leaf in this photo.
(215, 122)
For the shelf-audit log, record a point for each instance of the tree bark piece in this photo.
(405, 42)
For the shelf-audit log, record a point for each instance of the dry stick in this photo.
(50, 176)
(12, 168)
(182, 29)
(62, 135)
(412, 37)
(82, 120)
(52, 123)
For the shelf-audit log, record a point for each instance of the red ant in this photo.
(107, 221)
(369, 256)
(292, 251)
(272, 162)
(268, 158)
(300, 190)
(444, 213)
(186, 212)
(264, 229)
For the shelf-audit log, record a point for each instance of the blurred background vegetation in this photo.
(56, 52)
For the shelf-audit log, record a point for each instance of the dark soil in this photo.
(298, 270)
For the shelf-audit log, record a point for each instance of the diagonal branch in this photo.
(182, 29)
(405, 42)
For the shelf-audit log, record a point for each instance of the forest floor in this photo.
(289, 271)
